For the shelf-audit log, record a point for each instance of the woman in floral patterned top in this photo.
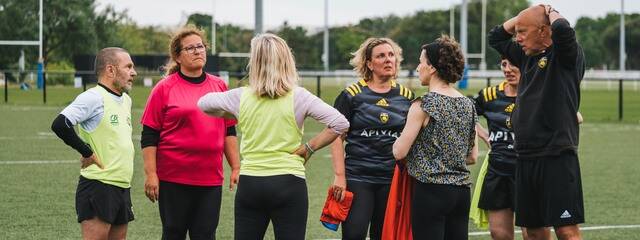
(438, 141)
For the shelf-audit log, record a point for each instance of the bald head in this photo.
(533, 31)
(534, 16)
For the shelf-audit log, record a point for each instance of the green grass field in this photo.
(40, 173)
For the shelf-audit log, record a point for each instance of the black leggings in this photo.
(281, 199)
(369, 205)
(440, 211)
(187, 208)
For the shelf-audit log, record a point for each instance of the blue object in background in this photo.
(24, 86)
(40, 81)
(464, 82)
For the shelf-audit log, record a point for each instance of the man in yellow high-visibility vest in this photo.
(103, 113)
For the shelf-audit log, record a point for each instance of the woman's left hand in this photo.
(339, 187)
(234, 179)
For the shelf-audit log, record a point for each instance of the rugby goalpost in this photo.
(31, 43)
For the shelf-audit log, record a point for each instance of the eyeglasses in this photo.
(194, 49)
(505, 65)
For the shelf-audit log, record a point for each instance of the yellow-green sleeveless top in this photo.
(111, 142)
(269, 136)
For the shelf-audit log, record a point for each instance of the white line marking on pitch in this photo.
(581, 229)
(47, 136)
(39, 162)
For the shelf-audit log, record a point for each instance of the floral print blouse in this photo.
(438, 154)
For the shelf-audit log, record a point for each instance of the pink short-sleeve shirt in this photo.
(191, 143)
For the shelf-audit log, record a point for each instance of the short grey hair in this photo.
(106, 56)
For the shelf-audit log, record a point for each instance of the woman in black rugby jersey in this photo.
(376, 107)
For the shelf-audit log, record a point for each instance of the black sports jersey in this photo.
(496, 107)
(376, 121)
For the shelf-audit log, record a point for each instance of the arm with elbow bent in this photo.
(416, 119)
(217, 112)
(316, 143)
(551, 13)
(63, 128)
(500, 38)
(220, 104)
(337, 125)
(510, 25)
(319, 141)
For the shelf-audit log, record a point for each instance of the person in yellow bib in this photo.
(270, 114)
(103, 116)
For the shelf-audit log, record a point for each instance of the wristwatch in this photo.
(552, 10)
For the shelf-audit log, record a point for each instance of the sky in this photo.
(310, 13)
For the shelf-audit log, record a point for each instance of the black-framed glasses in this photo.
(194, 49)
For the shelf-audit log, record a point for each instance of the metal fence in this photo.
(21, 80)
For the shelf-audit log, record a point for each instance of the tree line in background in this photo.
(75, 27)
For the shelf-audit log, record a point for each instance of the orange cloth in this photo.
(397, 218)
(335, 212)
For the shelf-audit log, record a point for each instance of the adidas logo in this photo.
(565, 214)
(509, 108)
(382, 103)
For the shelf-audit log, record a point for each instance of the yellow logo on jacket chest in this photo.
(384, 117)
(542, 62)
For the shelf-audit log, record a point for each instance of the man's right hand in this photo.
(151, 188)
(93, 159)
(510, 25)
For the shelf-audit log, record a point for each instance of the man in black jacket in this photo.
(548, 184)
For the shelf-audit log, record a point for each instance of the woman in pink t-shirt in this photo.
(182, 147)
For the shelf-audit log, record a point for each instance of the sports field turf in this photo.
(39, 173)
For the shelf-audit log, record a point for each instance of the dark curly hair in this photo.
(450, 65)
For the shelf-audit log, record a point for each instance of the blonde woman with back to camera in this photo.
(270, 114)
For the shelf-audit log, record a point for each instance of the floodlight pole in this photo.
(40, 31)
(41, 83)
(325, 56)
(623, 52)
(483, 37)
(452, 21)
(213, 27)
(463, 29)
(258, 17)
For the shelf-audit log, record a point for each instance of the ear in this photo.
(431, 69)
(545, 31)
(111, 71)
